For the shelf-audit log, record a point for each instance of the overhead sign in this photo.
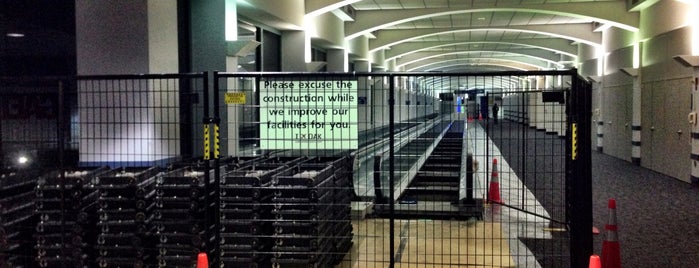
(308, 115)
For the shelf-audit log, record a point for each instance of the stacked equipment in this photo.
(343, 192)
(180, 216)
(66, 225)
(303, 210)
(125, 215)
(246, 213)
(16, 214)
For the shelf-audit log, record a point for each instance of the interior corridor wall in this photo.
(666, 87)
(617, 100)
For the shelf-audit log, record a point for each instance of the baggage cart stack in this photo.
(68, 225)
(182, 230)
(245, 215)
(16, 218)
(343, 192)
(125, 210)
(302, 207)
(246, 220)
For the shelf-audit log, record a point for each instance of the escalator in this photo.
(433, 191)
(438, 179)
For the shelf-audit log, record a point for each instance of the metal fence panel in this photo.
(297, 170)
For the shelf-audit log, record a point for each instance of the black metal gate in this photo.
(423, 148)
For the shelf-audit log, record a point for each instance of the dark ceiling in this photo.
(48, 44)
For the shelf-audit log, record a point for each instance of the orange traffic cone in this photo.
(202, 261)
(480, 116)
(595, 262)
(611, 257)
(494, 190)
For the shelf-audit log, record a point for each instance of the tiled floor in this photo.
(428, 243)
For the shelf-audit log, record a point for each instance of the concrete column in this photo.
(539, 104)
(207, 35)
(127, 37)
(231, 125)
(107, 47)
(293, 51)
(336, 60)
(637, 109)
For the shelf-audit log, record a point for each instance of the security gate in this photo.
(297, 170)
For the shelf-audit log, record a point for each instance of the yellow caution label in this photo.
(207, 143)
(235, 98)
(217, 144)
(574, 141)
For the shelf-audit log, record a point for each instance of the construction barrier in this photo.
(611, 257)
(595, 262)
(494, 190)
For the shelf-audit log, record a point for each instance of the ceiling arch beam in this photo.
(541, 55)
(457, 67)
(433, 62)
(556, 45)
(608, 12)
(579, 32)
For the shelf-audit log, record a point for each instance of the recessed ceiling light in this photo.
(481, 18)
(15, 35)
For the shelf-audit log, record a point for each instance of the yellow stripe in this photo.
(574, 142)
(207, 143)
(217, 144)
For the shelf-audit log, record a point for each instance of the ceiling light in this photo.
(15, 35)
(481, 18)
(22, 160)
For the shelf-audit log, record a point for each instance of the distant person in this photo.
(496, 109)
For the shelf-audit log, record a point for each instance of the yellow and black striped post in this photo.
(207, 143)
(574, 143)
(217, 144)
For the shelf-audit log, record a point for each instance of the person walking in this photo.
(496, 108)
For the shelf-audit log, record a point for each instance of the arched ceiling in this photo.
(515, 34)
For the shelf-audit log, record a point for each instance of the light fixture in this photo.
(22, 160)
(15, 35)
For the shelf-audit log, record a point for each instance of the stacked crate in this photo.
(343, 192)
(246, 213)
(16, 218)
(125, 213)
(68, 225)
(182, 230)
(302, 205)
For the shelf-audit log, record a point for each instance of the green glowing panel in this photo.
(313, 115)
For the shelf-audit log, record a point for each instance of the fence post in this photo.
(217, 174)
(579, 172)
(391, 166)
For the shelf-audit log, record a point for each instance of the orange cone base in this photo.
(611, 257)
(494, 193)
